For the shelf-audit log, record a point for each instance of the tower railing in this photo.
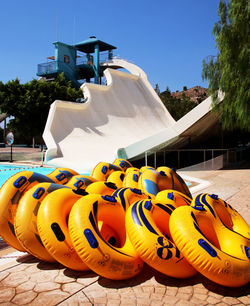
(81, 60)
(52, 67)
(103, 58)
(46, 68)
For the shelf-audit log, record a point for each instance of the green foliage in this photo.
(177, 107)
(29, 103)
(229, 70)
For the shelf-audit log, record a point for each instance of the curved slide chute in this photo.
(123, 119)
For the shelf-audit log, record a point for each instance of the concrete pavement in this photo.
(231, 185)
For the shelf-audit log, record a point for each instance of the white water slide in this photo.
(124, 119)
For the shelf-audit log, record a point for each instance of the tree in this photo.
(177, 107)
(29, 103)
(229, 70)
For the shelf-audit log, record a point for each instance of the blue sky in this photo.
(166, 38)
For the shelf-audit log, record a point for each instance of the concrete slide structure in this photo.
(123, 119)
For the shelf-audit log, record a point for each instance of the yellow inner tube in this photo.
(176, 180)
(26, 220)
(80, 181)
(12, 191)
(122, 163)
(131, 178)
(10, 194)
(214, 249)
(102, 171)
(104, 188)
(178, 197)
(116, 259)
(116, 178)
(52, 224)
(127, 196)
(147, 224)
(151, 182)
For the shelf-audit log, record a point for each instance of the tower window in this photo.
(66, 59)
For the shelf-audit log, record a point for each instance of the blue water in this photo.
(4, 167)
(6, 171)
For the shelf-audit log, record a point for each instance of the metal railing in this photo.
(52, 67)
(231, 156)
(81, 60)
(46, 68)
(103, 58)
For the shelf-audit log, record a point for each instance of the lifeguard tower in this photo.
(80, 62)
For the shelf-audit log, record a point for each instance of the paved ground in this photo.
(26, 281)
(21, 154)
(232, 185)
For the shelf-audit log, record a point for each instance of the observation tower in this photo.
(80, 62)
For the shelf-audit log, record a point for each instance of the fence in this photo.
(208, 158)
(176, 158)
(22, 154)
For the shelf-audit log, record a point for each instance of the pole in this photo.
(96, 64)
(212, 159)
(11, 160)
(204, 156)
(4, 129)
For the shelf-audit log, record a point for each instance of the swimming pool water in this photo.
(5, 167)
(6, 171)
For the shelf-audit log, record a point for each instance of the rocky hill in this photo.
(196, 94)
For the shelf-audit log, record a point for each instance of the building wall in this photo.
(65, 56)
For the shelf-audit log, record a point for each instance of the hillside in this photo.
(196, 94)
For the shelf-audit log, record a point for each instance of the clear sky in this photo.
(166, 38)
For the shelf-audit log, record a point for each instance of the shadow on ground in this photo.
(146, 274)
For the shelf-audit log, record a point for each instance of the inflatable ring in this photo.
(10, 194)
(178, 197)
(228, 215)
(131, 178)
(122, 163)
(101, 188)
(118, 260)
(53, 228)
(177, 182)
(151, 182)
(143, 168)
(116, 178)
(213, 249)
(102, 171)
(80, 181)
(127, 196)
(62, 175)
(147, 223)
(26, 220)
